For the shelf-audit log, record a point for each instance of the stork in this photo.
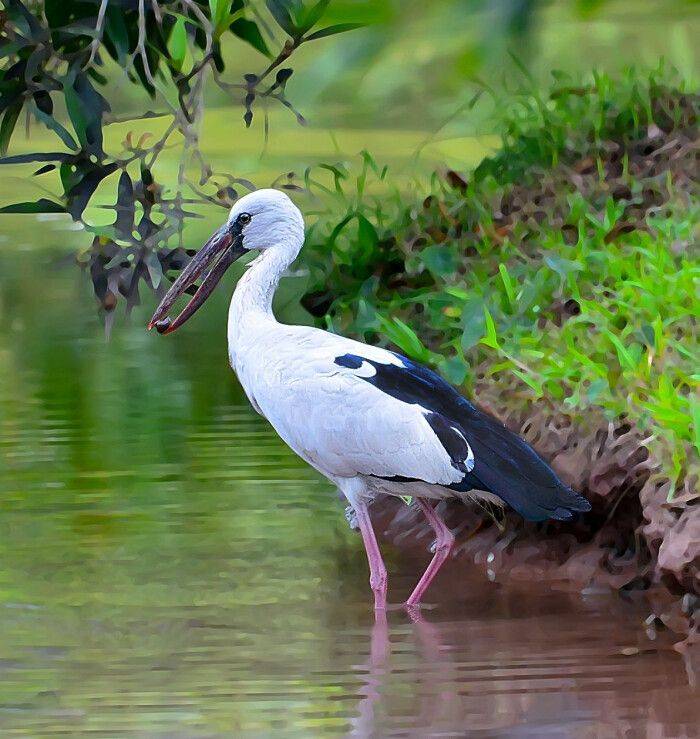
(370, 420)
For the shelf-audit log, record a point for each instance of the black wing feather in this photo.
(504, 464)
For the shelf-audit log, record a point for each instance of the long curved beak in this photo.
(219, 253)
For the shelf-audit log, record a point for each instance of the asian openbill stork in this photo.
(370, 420)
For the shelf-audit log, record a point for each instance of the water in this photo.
(169, 569)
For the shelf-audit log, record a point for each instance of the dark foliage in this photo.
(58, 49)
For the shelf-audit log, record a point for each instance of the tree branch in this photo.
(99, 27)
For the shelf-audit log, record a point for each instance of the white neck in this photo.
(252, 298)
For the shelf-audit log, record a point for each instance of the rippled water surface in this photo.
(169, 569)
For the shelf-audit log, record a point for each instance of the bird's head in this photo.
(264, 219)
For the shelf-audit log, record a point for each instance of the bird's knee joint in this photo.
(447, 541)
(443, 544)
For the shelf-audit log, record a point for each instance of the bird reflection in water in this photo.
(377, 669)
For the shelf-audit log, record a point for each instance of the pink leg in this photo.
(443, 546)
(377, 569)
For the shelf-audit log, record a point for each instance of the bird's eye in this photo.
(244, 218)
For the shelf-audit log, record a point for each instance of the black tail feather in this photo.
(508, 467)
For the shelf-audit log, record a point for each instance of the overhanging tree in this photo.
(54, 55)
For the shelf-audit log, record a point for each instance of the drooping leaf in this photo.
(80, 194)
(71, 173)
(116, 35)
(51, 123)
(85, 107)
(27, 22)
(124, 222)
(8, 126)
(53, 156)
(13, 85)
(70, 23)
(280, 11)
(43, 170)
(155, 270)
(249, 31)
(11, 92)
(95, 75)
(43, 101)
(333, 30)
(37, 206)
(314, 14)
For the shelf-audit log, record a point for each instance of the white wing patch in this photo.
(365, 370)
(469, 461)
(377, 354)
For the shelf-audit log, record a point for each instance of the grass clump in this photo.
(562, 270)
